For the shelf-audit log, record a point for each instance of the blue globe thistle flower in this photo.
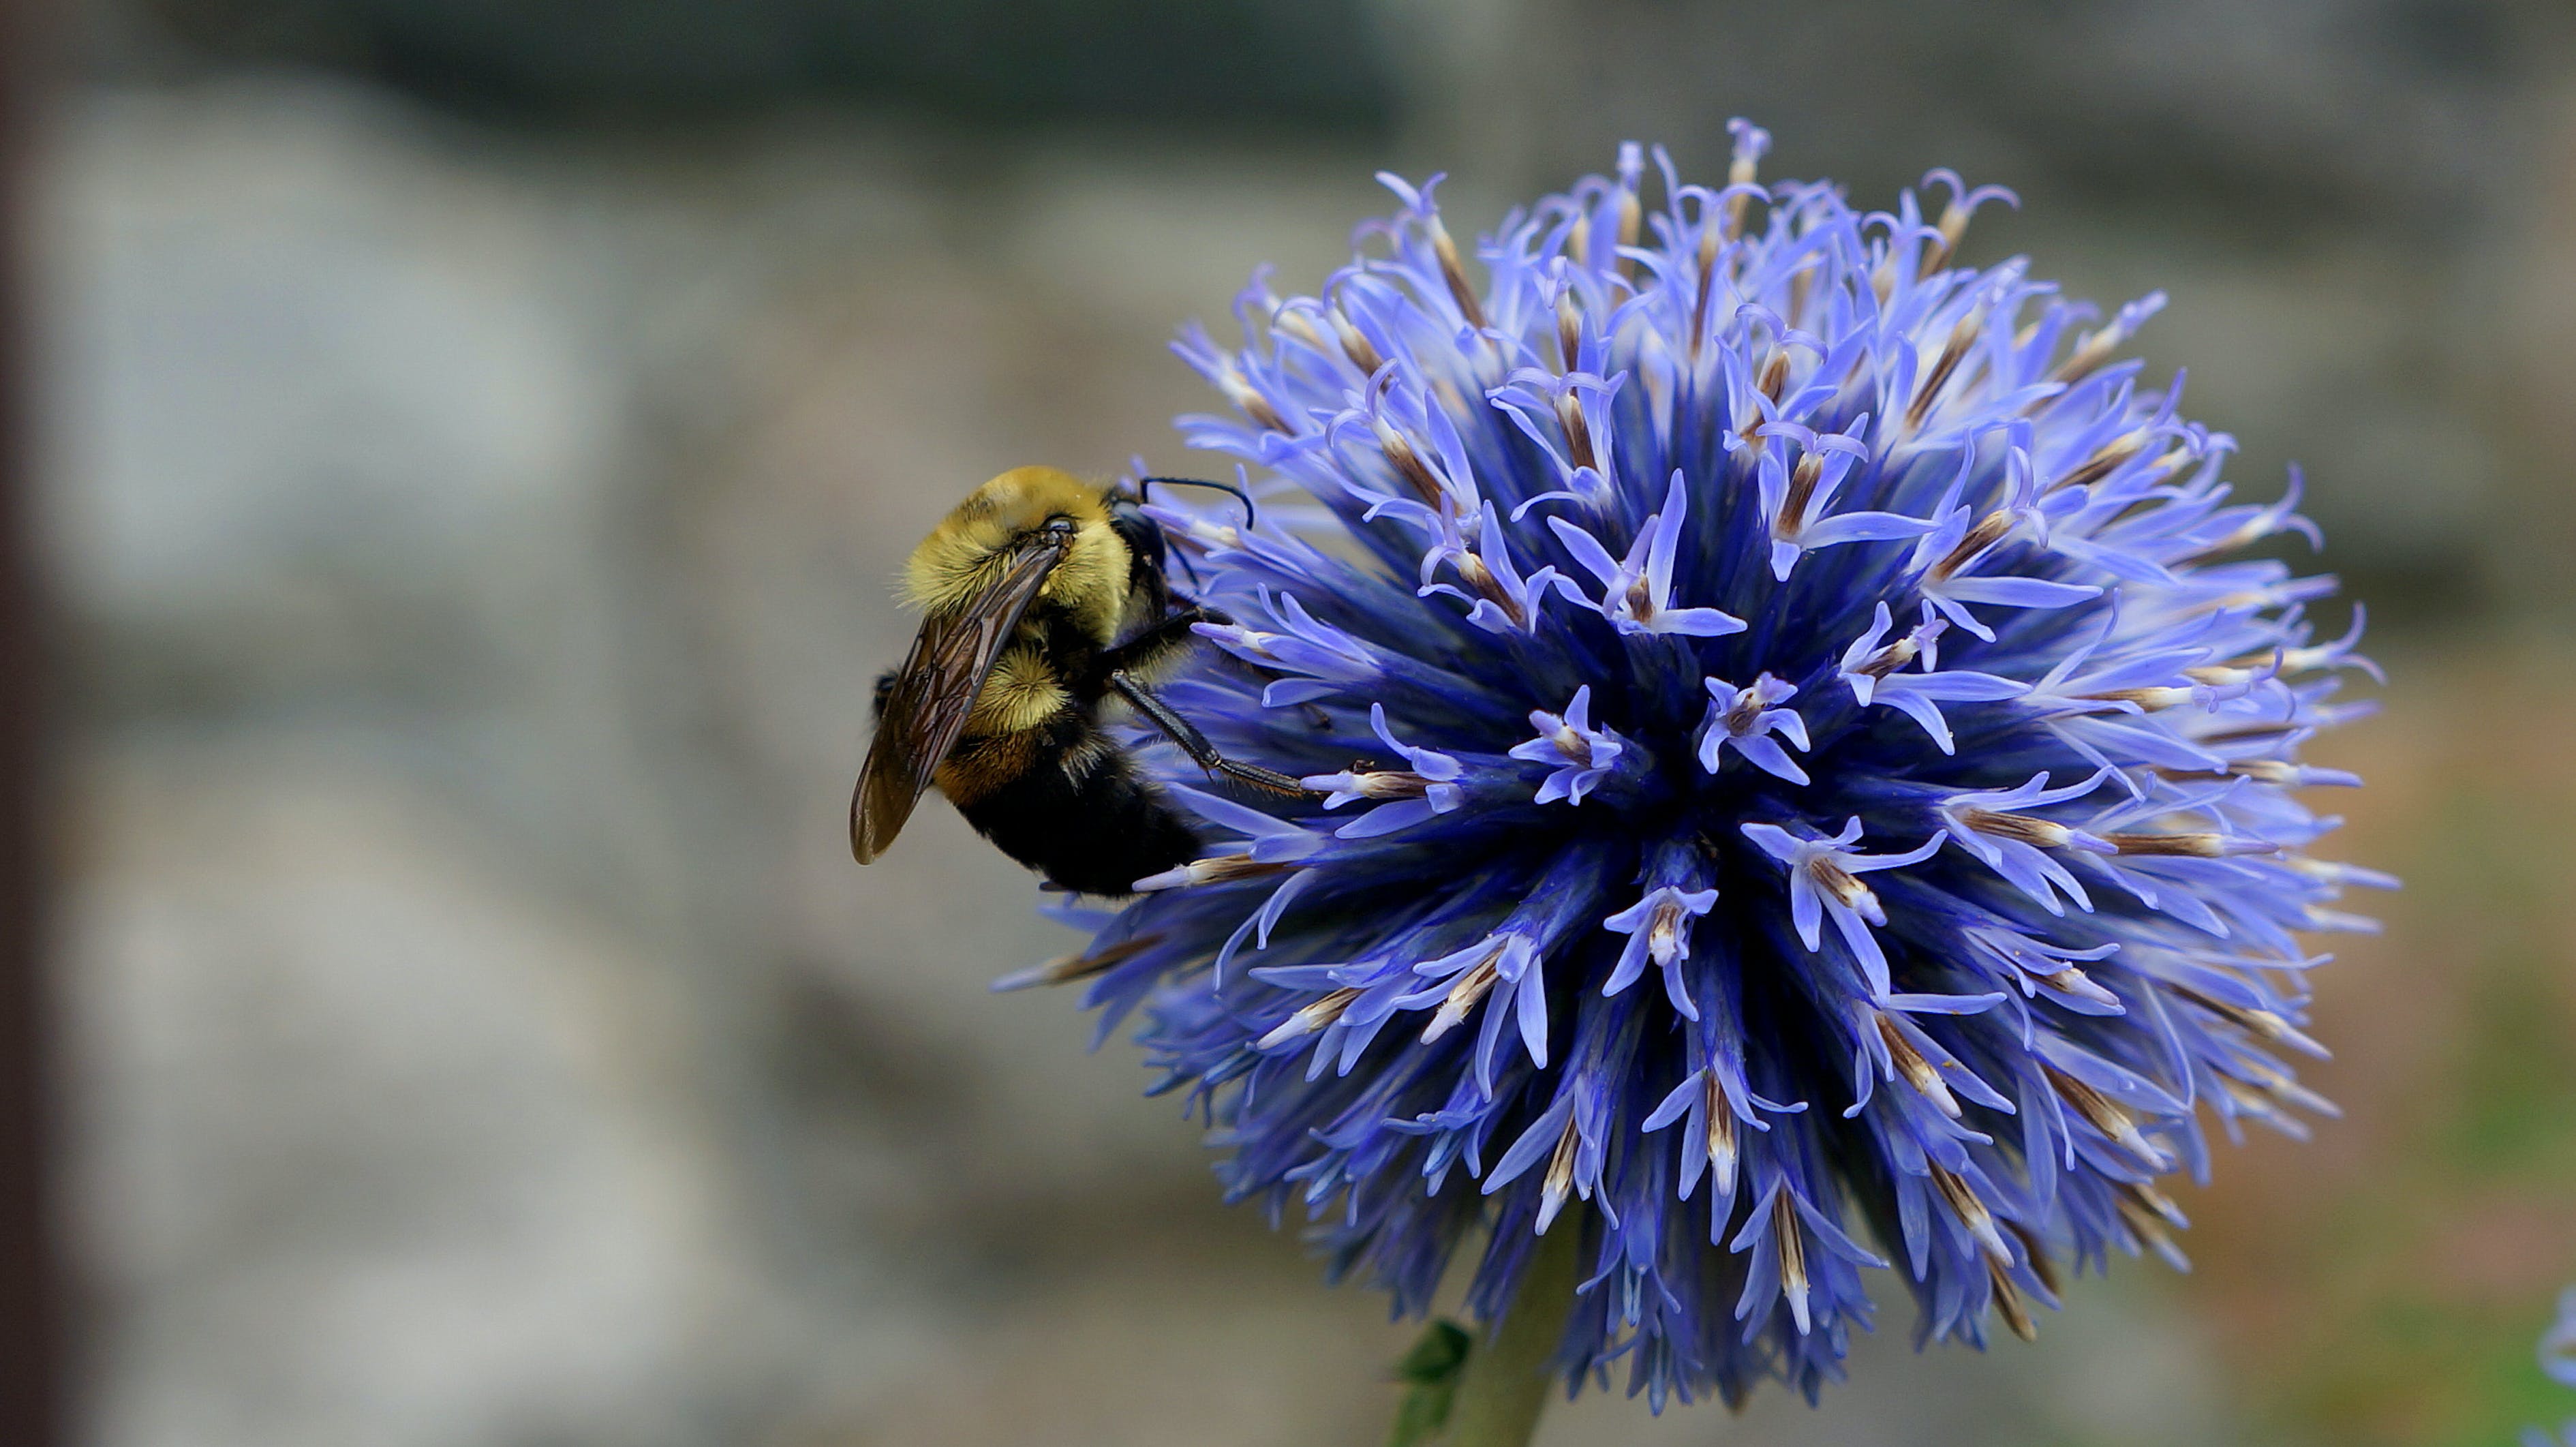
(1806, 790)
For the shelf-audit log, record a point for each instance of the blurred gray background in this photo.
(480, 437)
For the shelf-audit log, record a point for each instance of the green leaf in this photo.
(1430, 1371)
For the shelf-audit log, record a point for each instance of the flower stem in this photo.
(1505, 1385)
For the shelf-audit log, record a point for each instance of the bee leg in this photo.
(1153, 645)
(1195, 744)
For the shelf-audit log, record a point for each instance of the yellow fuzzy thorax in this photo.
(962, 557)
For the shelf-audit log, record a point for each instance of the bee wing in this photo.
(934, 692)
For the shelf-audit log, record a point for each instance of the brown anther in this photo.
(1739, 715)
(2031, 1250)
(2154, 1200)
(1988, 531)
(1065, 969)
(1559, 1181)
(1802, 488)
(1311, 1017)
(1707, 287)
(1841, 883)
(1251, 402)
(1631, 215)
(1721, 1134)
(2008, 1301)
(2249, 733)
(1801, 282)
(1953, 225)
(1641, 600)
(1295, 322)
(1664, 930)
(1578, 431)
(1793, 1248)
(2150, 700)
(2263, 1024)
(1454, 273)
(1384, 784)
(2147, 1213)
(2103, 463)
(1355, 345)
(2026, 828)
(2089, 355)
(1227, 868)
(1569, 330)
(2284, 1089)
(1488, 587)
(1407, 462)
(1775, 373)
(1470, 987)
(1739, 174)
(2106, 1116)
(1952, 352)
(2072, 981)
(2194, 845)
(1964, 1203)
(1891, 658)
(1918, 1072)
(1574, 746)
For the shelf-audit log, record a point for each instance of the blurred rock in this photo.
(478, 542)
(387, 1145)
(1238, 62)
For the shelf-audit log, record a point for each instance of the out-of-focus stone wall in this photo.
(478, 540)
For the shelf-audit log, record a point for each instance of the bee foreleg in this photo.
(1195, 744)
(1165, 638)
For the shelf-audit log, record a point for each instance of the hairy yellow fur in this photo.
(963, 555)
(1021, 692)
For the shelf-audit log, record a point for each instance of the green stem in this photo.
(1505, 1385)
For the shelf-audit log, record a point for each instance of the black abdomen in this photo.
(1098, 833)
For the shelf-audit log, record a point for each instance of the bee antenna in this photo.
(1251, 518)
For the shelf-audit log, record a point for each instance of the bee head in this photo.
(965, 554)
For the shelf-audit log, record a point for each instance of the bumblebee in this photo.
(1042, 596)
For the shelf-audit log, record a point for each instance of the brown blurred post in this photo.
(33, 1405)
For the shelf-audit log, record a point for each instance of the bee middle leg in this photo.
(1195, 744)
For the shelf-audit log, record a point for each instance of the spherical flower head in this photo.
(1805, 793)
